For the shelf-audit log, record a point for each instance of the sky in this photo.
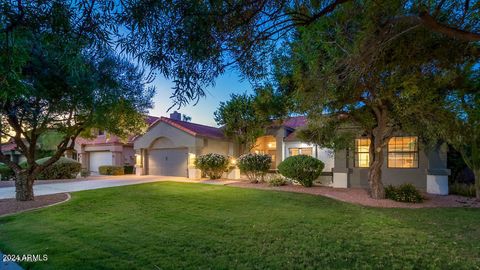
(202, 113)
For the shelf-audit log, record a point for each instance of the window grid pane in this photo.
(403, 152)
(362, 153)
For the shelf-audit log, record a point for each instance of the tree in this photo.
(58, 73)
(193, 42)
(462, 130)
(240, 120)
(358, 78)
(186, 118)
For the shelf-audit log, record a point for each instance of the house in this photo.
(10, 150)
(170, 146)
(106, 149)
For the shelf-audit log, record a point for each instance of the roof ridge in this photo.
(191, 123)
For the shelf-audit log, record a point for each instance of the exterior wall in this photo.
(216, 146)
(430, 162)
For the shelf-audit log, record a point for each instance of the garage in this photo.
(168, 162)
(98, 159)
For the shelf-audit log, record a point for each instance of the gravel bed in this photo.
(10, 206)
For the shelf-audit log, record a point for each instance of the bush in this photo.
(404, 193)
(462, 189)
(64, 168)
(128, 169)
(6, 173)
(111, 170)
(213, 165)
(276, 180)
(255, 166)
(302, 168)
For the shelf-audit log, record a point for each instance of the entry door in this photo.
(168, 162)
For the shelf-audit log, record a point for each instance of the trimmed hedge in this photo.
(255, 166)
(6, 173)
(111, 170)
(213, 165)
(404, 193)
(64, 168)
(302, 168)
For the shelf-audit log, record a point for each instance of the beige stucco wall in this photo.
(179, 138)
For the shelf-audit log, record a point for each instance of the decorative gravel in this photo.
(361, 197)
(10, 206)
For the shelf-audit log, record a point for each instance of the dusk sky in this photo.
(202, 113)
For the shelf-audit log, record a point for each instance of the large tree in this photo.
(193, 42)
(356, 77)
(58, 73)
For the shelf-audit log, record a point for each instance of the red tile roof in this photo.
(8, 146)
(295, 122)
(195, 129)
(112, 139)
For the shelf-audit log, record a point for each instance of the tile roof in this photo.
(112, 139)
(195, 129)
(295, 122)
(9, 146)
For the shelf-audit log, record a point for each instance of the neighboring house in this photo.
(10, 150)
(106, 149)
(170, 146)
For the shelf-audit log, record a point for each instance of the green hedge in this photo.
(404, 193)
(128, 169)
(462, 189)
(254, 166)
(213, 165)
(64, 168)
(6, 173)
(302, 168)
(111, 170)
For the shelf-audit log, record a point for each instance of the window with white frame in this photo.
(300, 151)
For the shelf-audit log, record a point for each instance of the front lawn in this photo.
(176, 225)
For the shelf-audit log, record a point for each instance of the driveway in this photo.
(94, 183)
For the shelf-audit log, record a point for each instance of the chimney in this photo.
(176, 116)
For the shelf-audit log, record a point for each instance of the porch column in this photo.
(340, 170)
(437, 172)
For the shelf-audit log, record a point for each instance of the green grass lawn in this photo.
(175, 225)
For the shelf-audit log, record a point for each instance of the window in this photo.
(403, 152)
(362, 153)
(101, 132)
(300, 151)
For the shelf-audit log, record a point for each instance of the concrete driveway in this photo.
(92, 183)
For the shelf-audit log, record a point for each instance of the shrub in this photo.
(462, 189)
(302, 168)
(128, 169)
(276, 180)
(404, 193)
(111, 170)
(64, 168)
(213, 165)
(6, 173)
(255, 166)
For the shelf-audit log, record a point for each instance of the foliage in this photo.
(462, 189)
(255, 166)
(59, 73)
(129, 169)
(315, 231)
(6, 173)
(213, 165)
(240, 120)
(63, 168)
(301, 168)
(84, 172)
(194, 42)
(357, 78)
(111, 170)
(276, 180)
(403, 193)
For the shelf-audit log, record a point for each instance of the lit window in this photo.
(300, 151)
(362, 153)
(403, 152)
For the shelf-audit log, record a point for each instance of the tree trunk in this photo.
(476, 173)
(24, 187)
(375, 171)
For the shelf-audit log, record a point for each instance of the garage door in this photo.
(98, 159)
(169, 162)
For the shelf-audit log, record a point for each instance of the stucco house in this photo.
(10, 150)
(170, 146)
(106, 149)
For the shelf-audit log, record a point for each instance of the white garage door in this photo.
(98, 159)
(169, 162)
